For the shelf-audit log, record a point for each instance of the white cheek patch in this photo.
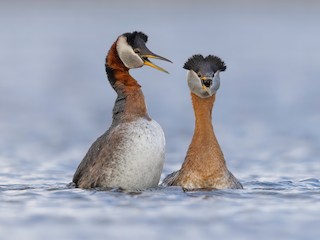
(194, 82)
(129, 58)
(215, 83)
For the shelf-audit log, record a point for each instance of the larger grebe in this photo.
(131, 153)
(204, 166)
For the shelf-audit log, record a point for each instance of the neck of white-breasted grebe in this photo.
(130, 104)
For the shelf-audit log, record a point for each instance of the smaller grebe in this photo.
(204, 166)
(131, 153)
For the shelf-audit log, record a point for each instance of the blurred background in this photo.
(55, 99)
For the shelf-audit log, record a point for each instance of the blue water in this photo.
(55, 101)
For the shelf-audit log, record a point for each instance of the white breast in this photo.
(139, 156)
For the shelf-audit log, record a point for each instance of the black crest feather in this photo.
(131, 37)
(217, 61)
(194, 63)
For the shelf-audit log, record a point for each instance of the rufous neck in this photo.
(130, 103)
(203, 113)
(204, 153)
(129, 106)
(203, 136)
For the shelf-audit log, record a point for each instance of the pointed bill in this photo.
(146, 53)
(147, 62)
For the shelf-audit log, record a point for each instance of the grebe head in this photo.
(133, 52)
(203, 75)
